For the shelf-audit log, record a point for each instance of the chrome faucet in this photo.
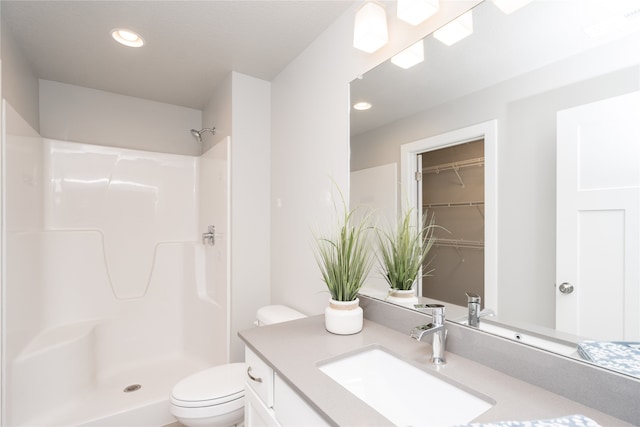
(436, 329)
(473, 302)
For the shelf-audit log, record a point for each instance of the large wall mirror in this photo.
(558, 84)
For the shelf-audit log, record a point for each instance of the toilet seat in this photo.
(215, 386)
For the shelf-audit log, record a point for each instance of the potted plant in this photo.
(345, 258)
(401, 255)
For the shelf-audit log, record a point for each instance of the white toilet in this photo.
(215, 397)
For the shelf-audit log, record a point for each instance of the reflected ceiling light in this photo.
(362, 106)
(127, 37)
(456, 30)
(409, 57)
(417, 11)
(370, 29)
(510, 6)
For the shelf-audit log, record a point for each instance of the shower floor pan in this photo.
(108, 404)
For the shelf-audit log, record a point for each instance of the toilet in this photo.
(215, 397)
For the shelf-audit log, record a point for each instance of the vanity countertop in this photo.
(294, 349)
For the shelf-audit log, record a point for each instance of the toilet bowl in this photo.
(215, 397)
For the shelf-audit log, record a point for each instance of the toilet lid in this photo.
(212, 386)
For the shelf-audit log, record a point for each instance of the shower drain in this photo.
(132, 387)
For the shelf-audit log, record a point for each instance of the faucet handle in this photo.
(472, 298)
(437, 311)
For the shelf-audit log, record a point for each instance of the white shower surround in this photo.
(108, 281)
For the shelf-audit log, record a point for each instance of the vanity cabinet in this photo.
(271, 402)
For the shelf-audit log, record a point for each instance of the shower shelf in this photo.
(55, 337)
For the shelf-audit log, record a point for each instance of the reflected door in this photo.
(598, 220)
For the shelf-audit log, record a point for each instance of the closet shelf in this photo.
(479, 161)
(455, 167)
(460, 243)
(452, 204)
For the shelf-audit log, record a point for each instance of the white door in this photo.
(598, 220)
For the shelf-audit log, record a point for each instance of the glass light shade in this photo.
(510, 6)
(456, 30)
(370, 29)
(417, 11)
(411, 56)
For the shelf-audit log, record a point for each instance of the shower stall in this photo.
(109, 294)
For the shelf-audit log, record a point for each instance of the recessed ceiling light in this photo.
(361, 106)
(127, 37)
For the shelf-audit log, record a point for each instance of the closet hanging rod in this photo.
(479, 161)
(452, 204)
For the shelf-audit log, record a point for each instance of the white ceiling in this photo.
(190, 45)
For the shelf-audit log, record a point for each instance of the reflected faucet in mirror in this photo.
(435, 329)
(473, 303)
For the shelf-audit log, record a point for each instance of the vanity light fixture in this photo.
(510, 6)
(409, 57)
(416, 12)
(456, 30)
(127, 37)
(370, 29)
(362, 106)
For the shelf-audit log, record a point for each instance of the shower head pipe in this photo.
(197, 134)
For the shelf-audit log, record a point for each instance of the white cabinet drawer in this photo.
(259, 377)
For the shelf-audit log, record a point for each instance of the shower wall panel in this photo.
(23, 221)
(133, 199)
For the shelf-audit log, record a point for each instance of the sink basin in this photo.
(403, 393)
(560, 347)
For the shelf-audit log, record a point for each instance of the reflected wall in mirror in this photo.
(527, 71)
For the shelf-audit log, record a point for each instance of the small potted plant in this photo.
(401, 255)
(345, 258)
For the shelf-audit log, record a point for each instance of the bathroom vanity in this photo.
(287, 359)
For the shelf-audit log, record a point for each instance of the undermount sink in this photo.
(560, 347)
(403, 393)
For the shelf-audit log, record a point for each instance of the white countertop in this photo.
(293, 349)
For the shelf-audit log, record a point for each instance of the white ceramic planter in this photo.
(343, 317)
(406, 298)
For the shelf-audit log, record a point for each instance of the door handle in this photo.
(565, 288)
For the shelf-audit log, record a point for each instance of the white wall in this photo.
(78, 114)
(218, 113)
(19, 83)
(310, 147)
(241, 107)
(250, 203)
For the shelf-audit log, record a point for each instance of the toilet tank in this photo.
(271, 314)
